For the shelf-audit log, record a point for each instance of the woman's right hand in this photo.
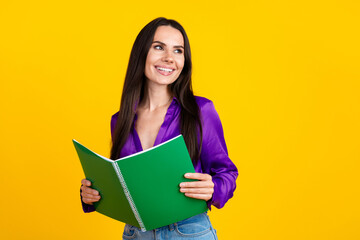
(88, 195)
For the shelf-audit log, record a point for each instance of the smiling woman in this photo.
(158, 104)
(165, 59)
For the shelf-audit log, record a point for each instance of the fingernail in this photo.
(182, 184)
(187, 175)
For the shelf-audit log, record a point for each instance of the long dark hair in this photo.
(133, 91)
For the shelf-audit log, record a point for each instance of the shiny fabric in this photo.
(214, 158)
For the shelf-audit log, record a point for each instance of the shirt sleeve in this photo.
(214, 157)
(113, 124)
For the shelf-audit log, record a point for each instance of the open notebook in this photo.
(142, 189)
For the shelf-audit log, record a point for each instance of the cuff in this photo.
(86, 207)
(216, 197)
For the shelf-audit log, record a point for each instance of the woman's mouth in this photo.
(164, 70)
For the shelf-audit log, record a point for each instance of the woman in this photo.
(158, 104)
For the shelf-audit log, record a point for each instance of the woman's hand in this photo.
(88, 195)
(202, 189)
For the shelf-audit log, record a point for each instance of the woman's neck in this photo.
(156, 97)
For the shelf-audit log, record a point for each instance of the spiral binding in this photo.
(128, 196)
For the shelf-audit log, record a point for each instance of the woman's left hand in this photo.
(202, 189)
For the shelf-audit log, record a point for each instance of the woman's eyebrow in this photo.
(161, 43)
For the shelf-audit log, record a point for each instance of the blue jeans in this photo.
(195, 228)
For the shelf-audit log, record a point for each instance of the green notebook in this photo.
(142, 189)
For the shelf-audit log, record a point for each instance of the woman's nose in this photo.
(168, 57)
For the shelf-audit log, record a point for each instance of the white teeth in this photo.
(165, 69)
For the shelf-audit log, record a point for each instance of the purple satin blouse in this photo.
(214, 159)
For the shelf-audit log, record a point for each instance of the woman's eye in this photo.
(178, 51)
(158, 47)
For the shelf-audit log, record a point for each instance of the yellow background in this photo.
(284, 77)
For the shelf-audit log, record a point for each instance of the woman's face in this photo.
(165, 59)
